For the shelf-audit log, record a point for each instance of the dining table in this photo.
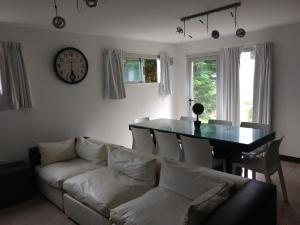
(229, 142)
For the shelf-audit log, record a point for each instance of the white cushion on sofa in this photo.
(57, 151)
(56, 173)
(92, 150)
(134, 165)
(158, 206)
(199, 209)
(185, 180)
(104, 188)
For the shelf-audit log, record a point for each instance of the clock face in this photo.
(71, 65)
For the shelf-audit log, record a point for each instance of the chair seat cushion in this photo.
(158, 206)
(104, 189)
(56, 173)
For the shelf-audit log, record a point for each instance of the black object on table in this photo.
(229, 141)
(16, 183)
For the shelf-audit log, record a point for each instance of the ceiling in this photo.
(153, 20)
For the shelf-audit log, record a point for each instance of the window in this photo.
(247, 64)
(142, 70)
(204, 85)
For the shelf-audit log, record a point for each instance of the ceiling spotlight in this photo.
(215, 34)
(91, 3)
(180, 30)
(58, 21)
(240, 33)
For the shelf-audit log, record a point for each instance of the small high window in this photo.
(142, 70)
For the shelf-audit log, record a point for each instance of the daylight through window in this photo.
(142, 70)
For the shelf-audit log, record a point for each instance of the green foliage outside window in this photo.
(204, 84)
(150, 70)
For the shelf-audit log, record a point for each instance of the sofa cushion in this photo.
(186, 180)
(92, 150)
(57, 151)
(136, 166)
(158, 206)
(104, 188)
(199, 209)
(56, 173)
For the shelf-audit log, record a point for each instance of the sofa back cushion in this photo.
(132, 164)
(92, 150)
(199, 209)
(57, 151)
(186, 180)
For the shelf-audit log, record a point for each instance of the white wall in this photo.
(62, 111)
(286, 77)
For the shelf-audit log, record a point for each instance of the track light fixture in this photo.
(58, 21)
(215, 34)
(181, 30)
(240, 32)
(91, 3)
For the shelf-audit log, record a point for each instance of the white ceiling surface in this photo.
(153, 20)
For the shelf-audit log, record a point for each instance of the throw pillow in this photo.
(186, 180)
(92, 150)
(57, 151)
(136, 166)
(199, 209)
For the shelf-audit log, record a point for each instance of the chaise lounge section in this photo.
(125, 190)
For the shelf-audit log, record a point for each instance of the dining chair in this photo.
(142, 140)
(257, 151)
(199, 152)
(188, 118)
(140, 120)
(255, 125)
(167, 145)
(267, 165)
(220, 122)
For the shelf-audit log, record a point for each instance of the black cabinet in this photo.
(16, 183)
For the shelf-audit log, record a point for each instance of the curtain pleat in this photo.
(228, 100)
(113, 74)
(15, 86)
(262, 84)
(165, 83)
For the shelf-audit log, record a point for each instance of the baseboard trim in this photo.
(289, 158)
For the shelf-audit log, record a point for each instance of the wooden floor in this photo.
(41, 212)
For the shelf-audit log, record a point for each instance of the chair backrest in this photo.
(197, 151)
(142, 140)
(272, 159)
(220, 122)
(255, 125)
(167, 145)
(188, 118)
(140, 120)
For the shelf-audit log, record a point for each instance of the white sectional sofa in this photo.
(108, 184)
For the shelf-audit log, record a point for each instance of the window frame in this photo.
(141, 58)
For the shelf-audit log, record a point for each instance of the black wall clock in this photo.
(71, 65)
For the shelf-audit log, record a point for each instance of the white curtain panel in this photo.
(228, 100)
(15, 87)
(262, 84)
(113, 74)
(165, 83)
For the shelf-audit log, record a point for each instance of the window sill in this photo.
(139, 84)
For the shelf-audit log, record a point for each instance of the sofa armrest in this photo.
(253, 204)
